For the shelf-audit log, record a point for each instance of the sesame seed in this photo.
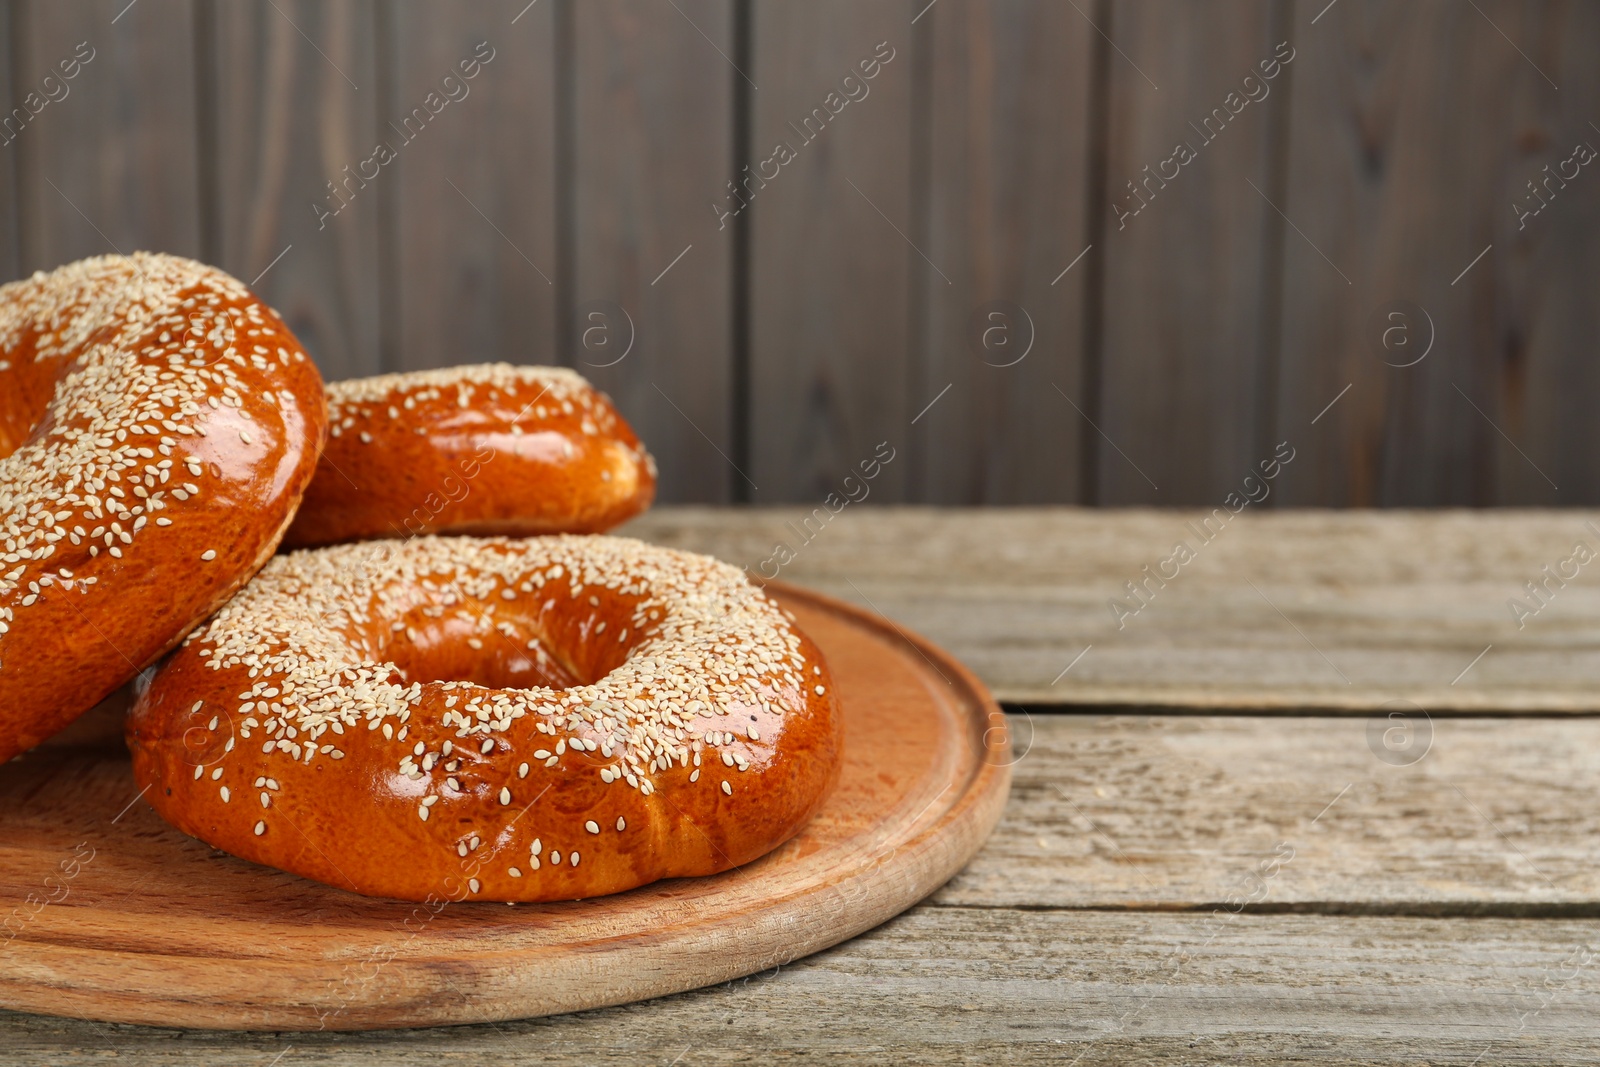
(621, 824)
(209, 554)
(473, 884)
(728, 789)
(225, 794)
(513, 872)
(505, 796)
(592, 826)
(261, 828)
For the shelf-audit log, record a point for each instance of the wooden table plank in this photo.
(1489, 817)
(1278, 611)
(1443, 908)
(955, 985)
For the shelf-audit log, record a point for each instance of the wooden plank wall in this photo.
(987, 256)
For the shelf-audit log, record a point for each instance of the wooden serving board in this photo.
(119, 917)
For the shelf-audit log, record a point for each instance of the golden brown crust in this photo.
(486, 449)
(643, 714)
(158, 425)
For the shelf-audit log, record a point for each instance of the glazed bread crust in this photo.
(486, 449)
(492, 719)
(158, 425)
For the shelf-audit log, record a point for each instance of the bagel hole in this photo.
(501, 662)
(528, 640)
(512, 654)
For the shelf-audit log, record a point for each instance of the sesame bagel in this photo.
(492, 719)
(489, 449)
(158, 425)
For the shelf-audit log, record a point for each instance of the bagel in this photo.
(489, 449)
(158, 425)
(491, 719)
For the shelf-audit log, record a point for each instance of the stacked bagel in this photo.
(454, 686)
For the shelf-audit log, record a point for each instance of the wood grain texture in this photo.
(111, 166)
(1008, 128)
(1183, 359)
(297, 99)
(473, 227)
(831, 263)
(10, 219)
(1457, 817)
(653, 131)
(1372, 167)
(970, 986)
(1347, 610)
(137, 923)
(1545, 292)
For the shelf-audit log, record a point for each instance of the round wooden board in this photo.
(120, 918)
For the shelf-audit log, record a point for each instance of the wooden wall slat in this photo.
(591, 150)
(1548, 305)
(1183, 353)
(111, 166)
(10, 219)
(1415, 128)
(1009, 159)
(831, 278)
(473, 228)
(297, 102)
(653, 140)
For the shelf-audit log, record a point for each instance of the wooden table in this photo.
(1326, 796)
